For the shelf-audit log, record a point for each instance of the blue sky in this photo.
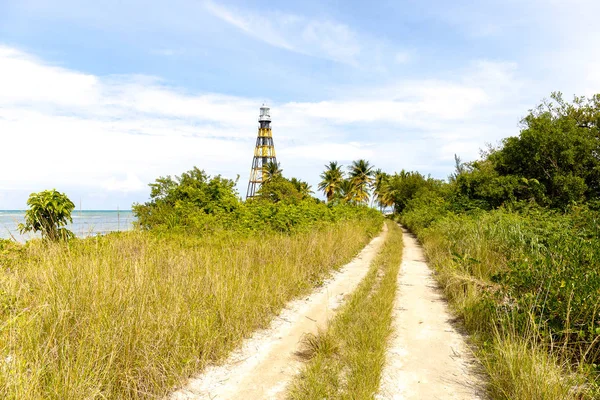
(99, 98)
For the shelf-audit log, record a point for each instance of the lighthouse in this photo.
(264, 152)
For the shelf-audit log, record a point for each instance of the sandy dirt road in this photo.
(428, 358)
(266, 362)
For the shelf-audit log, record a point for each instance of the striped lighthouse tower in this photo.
(264, 152)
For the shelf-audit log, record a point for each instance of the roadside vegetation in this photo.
(346, 359)
(133, 314)
(515, 240)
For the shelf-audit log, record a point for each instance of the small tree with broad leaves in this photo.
(49, 211)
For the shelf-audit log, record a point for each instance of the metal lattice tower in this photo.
(264, 152)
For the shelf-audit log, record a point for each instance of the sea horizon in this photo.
(85, 223)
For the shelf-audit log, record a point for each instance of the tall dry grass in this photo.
(132, 315)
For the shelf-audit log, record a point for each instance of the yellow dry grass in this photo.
(132, 315)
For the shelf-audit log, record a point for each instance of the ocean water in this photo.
(85, 223)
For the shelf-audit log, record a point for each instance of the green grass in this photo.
(132, 315)
(347, 359)
(520, 368)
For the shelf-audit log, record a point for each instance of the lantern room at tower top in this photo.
(265, 117)
(264, 152)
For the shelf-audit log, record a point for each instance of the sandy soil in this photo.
(266, 362)
(428, 357)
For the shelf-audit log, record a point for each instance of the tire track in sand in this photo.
(266, 362)
(428, 358)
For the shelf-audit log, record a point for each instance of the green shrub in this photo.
(196, 203)
(186, 200)
(49, 211)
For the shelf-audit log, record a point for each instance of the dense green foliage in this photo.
(281, 190)
(555, 161)
(560, 149)
(187, 199)
(196, 202)
(396, 190)
(49, 211)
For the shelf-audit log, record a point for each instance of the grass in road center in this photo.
(346, 360)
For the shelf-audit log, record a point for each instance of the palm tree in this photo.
(386, 198)
(303, 187)
(271, 170)
(361, 175)
(332, 177)
(378, 186)
(347, 191)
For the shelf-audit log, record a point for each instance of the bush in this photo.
(49, 211)
(197, 203)
(186, 200)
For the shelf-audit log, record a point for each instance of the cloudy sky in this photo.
(98, 98)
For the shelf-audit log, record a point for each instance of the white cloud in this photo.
(254, 24)
(129, 184)
(323, 38)
(554, 40)
(323, 152)
(23, 80)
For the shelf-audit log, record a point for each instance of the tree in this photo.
(302, 187)
(402, 187)
(479, 185)
(459, 168)
(177, 201)
(347, 191)
(331, 180)
(49, 211)
(361, 175)
(279, 189)
(272, 169)
(558, 147)
(378, 186)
